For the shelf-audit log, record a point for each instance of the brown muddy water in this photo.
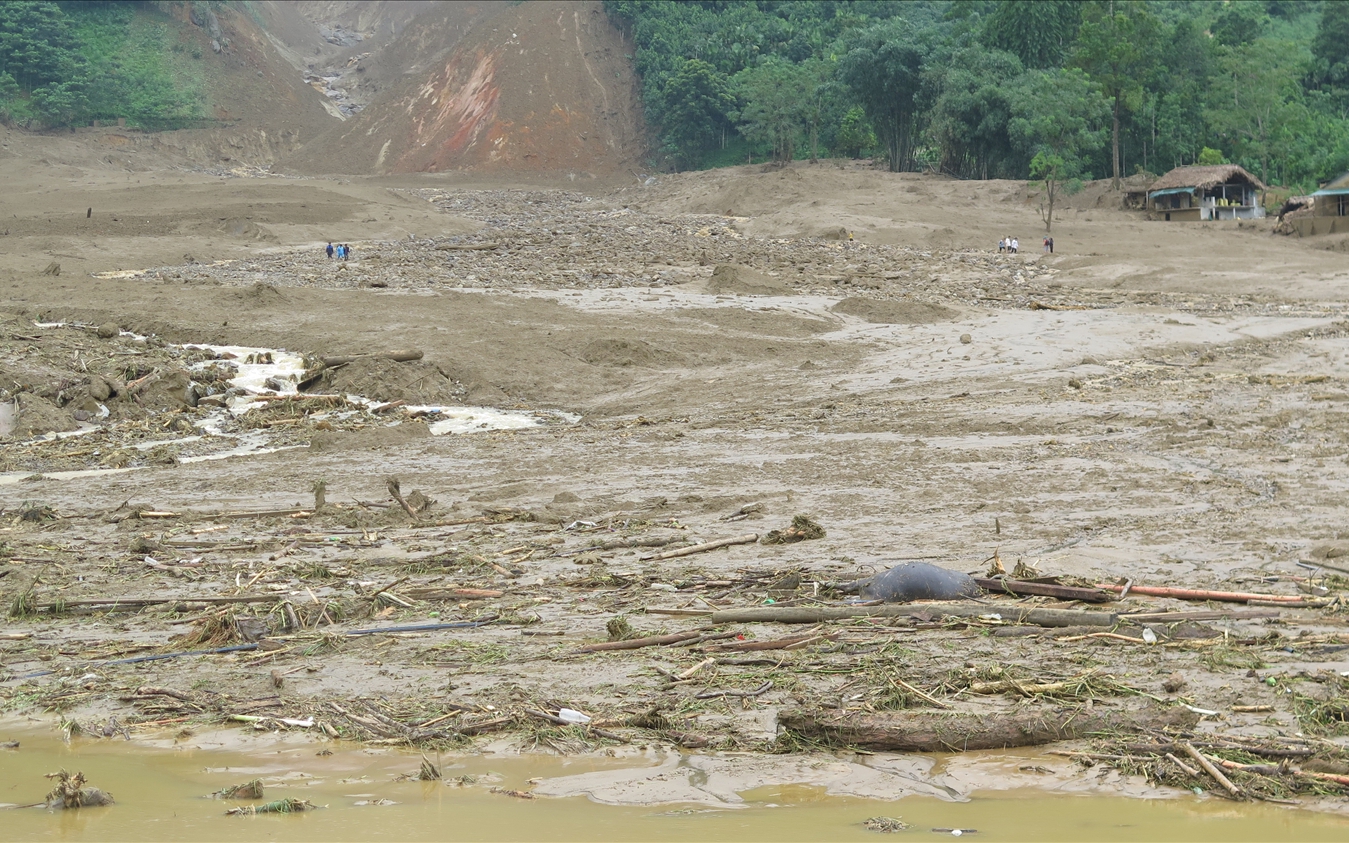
(160, 790)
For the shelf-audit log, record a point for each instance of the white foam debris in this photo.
(276, 372)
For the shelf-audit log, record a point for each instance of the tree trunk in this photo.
(814, 143)
(929, 731)
(1114, 143)
(1050, 185)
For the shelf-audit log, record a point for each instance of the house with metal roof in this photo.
(1217, 192)
(1324, 212)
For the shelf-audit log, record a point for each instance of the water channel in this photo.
(160, 788)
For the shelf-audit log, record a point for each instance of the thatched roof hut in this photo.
(1205, 178)
(1214, 192)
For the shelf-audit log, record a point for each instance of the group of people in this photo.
(1011, 245)
(341, 251)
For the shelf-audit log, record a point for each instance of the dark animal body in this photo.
(914, 581)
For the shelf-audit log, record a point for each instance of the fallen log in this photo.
(926, 731)
(1177, 617)
(1012, 614)
(639, 643)
(616, 544)
(115, 602)
(401, 356)
(747, 538)
(776, 644)
(1201, 594)
(1062, 592)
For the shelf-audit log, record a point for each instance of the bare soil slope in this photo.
(541, 87)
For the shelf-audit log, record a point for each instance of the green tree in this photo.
(774, 96)
(37, 44)
(854, 134)
(884, 70)
(969, 120)
(1240, 23)
(1208, 157)
(1038, 32)
(696, 104)
(1330, 53)
(1254, 100)
(1058, 121)
(1116, 44)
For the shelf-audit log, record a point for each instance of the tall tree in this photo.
(1116, 47)
(969, 120)
(1057, 122)
(1039, 32)
(884, 70)
(1254, 101)
(1330, 53)
(774, 95)
(697, 100)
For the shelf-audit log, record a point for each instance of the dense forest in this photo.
(1000, 88)
(67, 63)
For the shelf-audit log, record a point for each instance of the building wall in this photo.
(1331, 206)
(1310, 226)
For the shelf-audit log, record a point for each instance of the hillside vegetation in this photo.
(1010, 89)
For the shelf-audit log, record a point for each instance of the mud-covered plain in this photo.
(691, 376)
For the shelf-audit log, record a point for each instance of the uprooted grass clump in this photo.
(802, 529)
(70, 792)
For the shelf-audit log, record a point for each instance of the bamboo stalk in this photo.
(747, 538)
(1200, 594)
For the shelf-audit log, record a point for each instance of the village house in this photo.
(1219, 192)
(1324, 212)
(1330, 209)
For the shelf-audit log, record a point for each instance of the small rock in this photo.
(108, 330)
(1174, 683)
(966, 339)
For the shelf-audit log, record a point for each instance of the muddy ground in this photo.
(699, 359)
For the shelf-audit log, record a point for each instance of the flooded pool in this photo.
(159, 792)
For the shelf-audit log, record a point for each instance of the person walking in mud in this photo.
(346, 251)
(329, 250)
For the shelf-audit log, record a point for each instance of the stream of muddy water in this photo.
(160, 795)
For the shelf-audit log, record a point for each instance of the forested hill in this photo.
(63, 63)
(1009, 89)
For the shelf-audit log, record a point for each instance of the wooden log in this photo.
(747, 538)
(776, 644)
(154, 601)
(1178, 617)
(926, 731)
(400, 356)
(1213, 771)
(1013, 614)
(1000, 585)
(639, 643)
(1200, 594)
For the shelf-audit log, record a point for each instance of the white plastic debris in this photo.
(571, 715)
